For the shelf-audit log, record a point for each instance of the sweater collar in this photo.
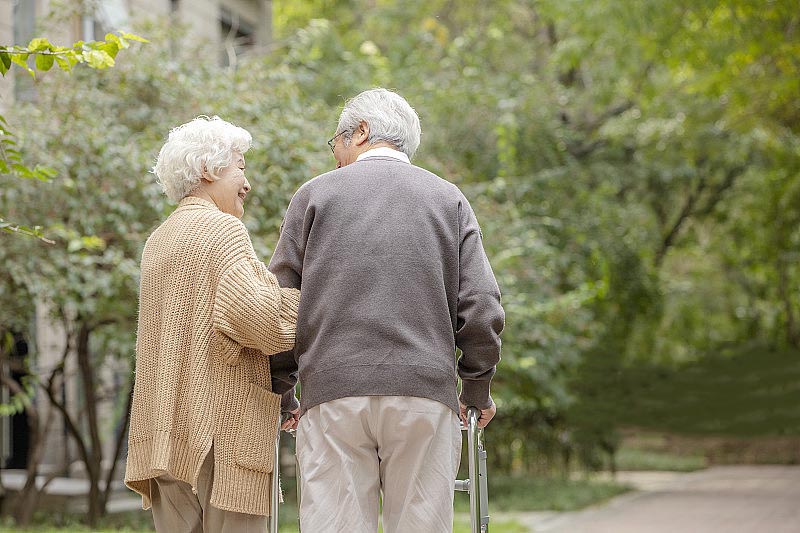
(194, 200)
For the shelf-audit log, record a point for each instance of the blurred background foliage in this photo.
(635, 167)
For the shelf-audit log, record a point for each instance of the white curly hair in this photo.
(203, 143)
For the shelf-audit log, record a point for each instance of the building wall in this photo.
(6, 37)
(202, 17)
(202, 20)
(50, 344)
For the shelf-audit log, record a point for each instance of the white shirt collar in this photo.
(384, 151)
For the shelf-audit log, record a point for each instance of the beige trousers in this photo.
(353, 449)
(176, 509)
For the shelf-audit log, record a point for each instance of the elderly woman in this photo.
(204, 418)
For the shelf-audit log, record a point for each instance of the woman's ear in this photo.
(206, 175)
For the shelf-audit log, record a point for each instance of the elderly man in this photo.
(394, 278)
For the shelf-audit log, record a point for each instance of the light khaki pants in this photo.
(176, 509)
(352, 449)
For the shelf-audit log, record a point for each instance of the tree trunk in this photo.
(671, 233)
(94, 464)
(28, 498)
(792, 332)
(117, 449)
(26, 501)
(89, 446)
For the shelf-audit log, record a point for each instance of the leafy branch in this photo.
(95, 54)
(35, 231)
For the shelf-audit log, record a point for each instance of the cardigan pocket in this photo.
(255, 441)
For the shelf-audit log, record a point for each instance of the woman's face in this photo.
(231, 187)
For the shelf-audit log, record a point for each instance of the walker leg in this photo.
(478, 491)
(297, 475)
(484, 490)
(275, 496)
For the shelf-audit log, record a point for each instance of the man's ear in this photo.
(361, 135)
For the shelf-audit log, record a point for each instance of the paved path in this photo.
(72, 491)
(725, 499)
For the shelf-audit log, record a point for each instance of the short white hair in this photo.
(390, 118)
(203, 143)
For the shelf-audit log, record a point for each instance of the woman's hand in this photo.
(292, 419)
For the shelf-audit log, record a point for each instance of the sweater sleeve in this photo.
(251, 309)
(479, 317)
(287, 265)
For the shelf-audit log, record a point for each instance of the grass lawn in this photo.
(752, 392)
(543, 494)
(638, 459)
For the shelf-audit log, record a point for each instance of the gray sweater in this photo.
(393, 277)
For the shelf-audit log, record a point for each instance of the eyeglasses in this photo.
(332, 140)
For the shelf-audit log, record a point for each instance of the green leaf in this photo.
(43, 173)
(98, 59)
(44, 61)
(63, 63)
(119, 41)
(132, 37)
(21, 170)
(67, 61)
(22, 61)
(110, 48)
(5, 63)
(39, 172)
(39, 44)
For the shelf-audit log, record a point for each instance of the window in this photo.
(237, 36)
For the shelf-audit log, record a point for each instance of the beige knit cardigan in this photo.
(209, 314)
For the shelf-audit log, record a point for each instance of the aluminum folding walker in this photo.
(476, 485)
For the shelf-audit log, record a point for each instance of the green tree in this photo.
(38, 56)
(599, 138)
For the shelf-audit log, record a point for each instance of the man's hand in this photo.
(291, 420)
(484, 418)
